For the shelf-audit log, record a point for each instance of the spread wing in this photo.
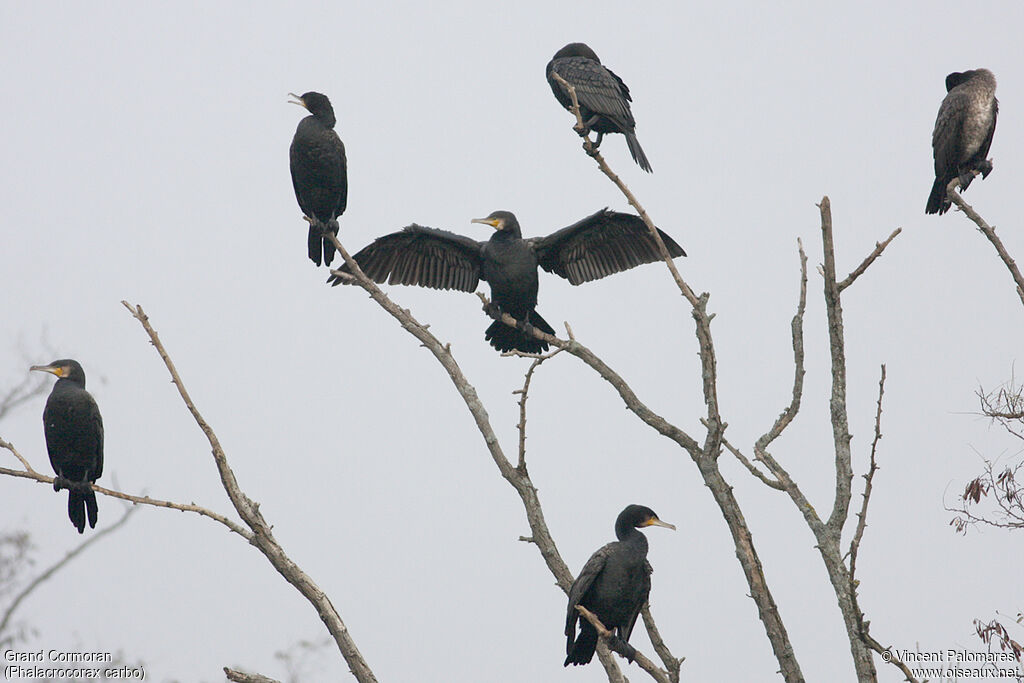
(583, 582)
(418, 255)
(601, 244)
(597, 89)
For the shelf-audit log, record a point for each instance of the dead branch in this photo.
(519, 480)
(672, 663)
(523, 394)
(862, 516)
(622, 648)
(262, 536)
(859, 270)
(242, 677)
(989, 232)
(139, 500)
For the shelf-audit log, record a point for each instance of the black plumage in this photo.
(319, 173)
(601, 244)
(74, 439)
(603, 97)
(613, 584)
(963, 133)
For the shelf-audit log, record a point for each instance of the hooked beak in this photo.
(301, 102)
(493, 222)
(52, 369)
(654, 521)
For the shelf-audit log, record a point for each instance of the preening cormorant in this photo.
(963, 133)
(601, 244)
(74, 439)
(603, 97)
(319, 173)
(613, 584)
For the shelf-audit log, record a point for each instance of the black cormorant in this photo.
(603, 97)
(319, 172)
(963, 133)
(601, 244)
(74, 439)
(613, 584)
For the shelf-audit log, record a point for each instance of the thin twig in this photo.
(24, 462)
(892, 658)
(751, 467)
(523, 394)
(140, 500)
(262, 536)
(611, 640)
(72, 554)
(989, 232)
(242, 677)
(859, 270)
(672, 663)
(862, 520)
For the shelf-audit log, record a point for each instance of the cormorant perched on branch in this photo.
(606, 242)
(74, 439)
(963, 133)
(613, 584)
(319, 173)
(603, 97)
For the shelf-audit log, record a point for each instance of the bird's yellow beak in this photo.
(493, 222)
(52, 369)
(654, 521)
(301, 102)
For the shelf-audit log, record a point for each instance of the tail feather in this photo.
(76, 509)
(505, 338)
(92, 508)
(937, 202)
(637, 152)
(582, 650)
(332, 228)
(314, 240)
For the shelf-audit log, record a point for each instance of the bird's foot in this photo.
(525, 327)
(597, 143)
(80, 486)
(493, 310)
(62, 482)
(985, 168)
(617, 644)
(965, 179)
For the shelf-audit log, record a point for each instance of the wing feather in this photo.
(604, 243)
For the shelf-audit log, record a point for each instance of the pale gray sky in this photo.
(145, 158)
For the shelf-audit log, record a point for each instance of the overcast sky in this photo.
(145, 154)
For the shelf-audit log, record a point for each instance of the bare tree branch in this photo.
(859, 270)
(989, 232)
(262, 536)
(28, 468)
(519, 479)
(672, 664)
(862, 521)
(523, 394)
(242, 677)
(622, 648)
(72, 554)
(140, 500)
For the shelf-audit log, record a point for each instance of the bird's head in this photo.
(64, 369)
(316, 104)
(577, 50)
(502, 221)
(640, 516)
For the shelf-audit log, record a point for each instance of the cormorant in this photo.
(613, 584)
(74, 439)
(319, 172)
(963, 133)
(601, 244)
(603, 97)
